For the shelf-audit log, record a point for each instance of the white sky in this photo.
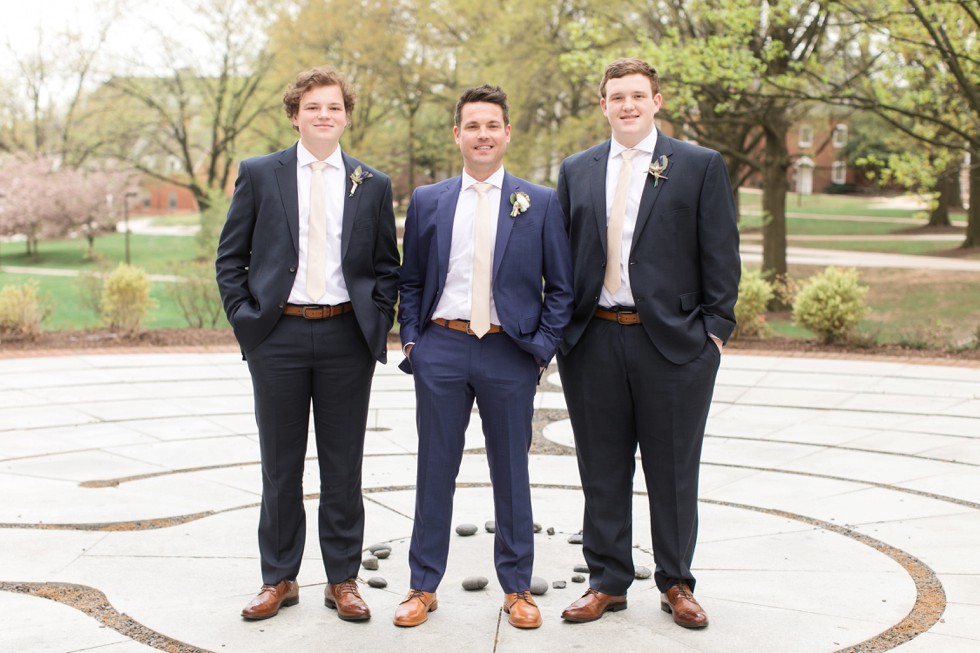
(21, 19)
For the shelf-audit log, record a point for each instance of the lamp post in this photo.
(126, 219)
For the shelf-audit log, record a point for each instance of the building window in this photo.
(838, 172)
(172, 199)
(806, 136)
(840, 136)
(147, 201)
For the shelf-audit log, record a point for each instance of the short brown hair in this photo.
(624, 67)
(485, 93)
(315, 78)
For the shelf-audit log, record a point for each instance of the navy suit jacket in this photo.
(531, 276)
(258, 252)
(684, 264)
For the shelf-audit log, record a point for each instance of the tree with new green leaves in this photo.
(922, 76)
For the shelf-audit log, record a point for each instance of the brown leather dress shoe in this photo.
(346, 600)
(415, 609)
(593, 605)
(521, 609)
(270, 598)
(680, 602)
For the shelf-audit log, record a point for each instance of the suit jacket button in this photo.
(292, 269)
(282, 304)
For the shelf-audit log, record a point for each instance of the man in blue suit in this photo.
(485, 293)
(652, 223)
(307, 267)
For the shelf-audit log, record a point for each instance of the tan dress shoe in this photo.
(346, 600)
(593, 605)
(270, 598)
(522, 611)
(680, 602)
(415, 609)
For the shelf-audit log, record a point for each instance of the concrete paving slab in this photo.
(780, 430)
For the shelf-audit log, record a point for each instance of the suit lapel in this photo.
(597, 182)
(652, 193)
(445, 213)
(350, 204)
(286, 178)
(505, 223)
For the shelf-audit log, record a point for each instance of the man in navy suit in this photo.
(477, 321)
(653, 230)
(307, 267)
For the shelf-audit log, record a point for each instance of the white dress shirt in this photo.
(641, 166)
(336, 182)
(455, 301)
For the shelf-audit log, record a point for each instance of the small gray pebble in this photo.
(578, 578)
(551, 530)
(642, 573)
(581, 568)
(370, 562)
(473, 583)
(490, 526)
(539, 586)
(575, 539)
(537, 527)
(377, 581)
(558, 584)
(466, 529)
(381, 554)
(374, 548)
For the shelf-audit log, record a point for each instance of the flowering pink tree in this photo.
(40, 199)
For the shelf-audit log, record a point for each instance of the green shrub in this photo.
(212, 221)
(831, 304)
(22, 309)
(126, 298)
(754, 294)
(196, 294)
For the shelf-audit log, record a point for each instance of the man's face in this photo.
(321, 119)
(630, 106)
(482, 137)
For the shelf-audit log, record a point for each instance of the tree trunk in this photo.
(956, 186)
(939, 216)
(973, 216)
(775, 187)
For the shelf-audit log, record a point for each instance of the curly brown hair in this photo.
(315, 78)
(624, 67)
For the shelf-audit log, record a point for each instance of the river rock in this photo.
(466, 529)
(539, 586)
(473, 583)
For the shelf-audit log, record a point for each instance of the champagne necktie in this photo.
(614, 230)
(480, 289)
(316, 239)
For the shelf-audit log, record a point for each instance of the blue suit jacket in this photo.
(259, 248)
(684, 264)
(532, 269)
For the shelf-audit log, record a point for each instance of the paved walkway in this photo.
(840, 504)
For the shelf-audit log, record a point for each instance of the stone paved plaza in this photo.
(840, 510)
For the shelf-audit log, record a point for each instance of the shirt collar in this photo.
(646, 146)
(496, 179)
(304, 157)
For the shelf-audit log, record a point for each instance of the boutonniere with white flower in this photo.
(657, 169)
(357, 178)
(520, 203)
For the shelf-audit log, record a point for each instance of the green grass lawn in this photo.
(826, 227)
(69, 312)
(830, 205)
(155, 254)
(915, 247)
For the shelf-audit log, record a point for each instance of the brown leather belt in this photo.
(462, 325)
(317, 312)
(623, 317)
